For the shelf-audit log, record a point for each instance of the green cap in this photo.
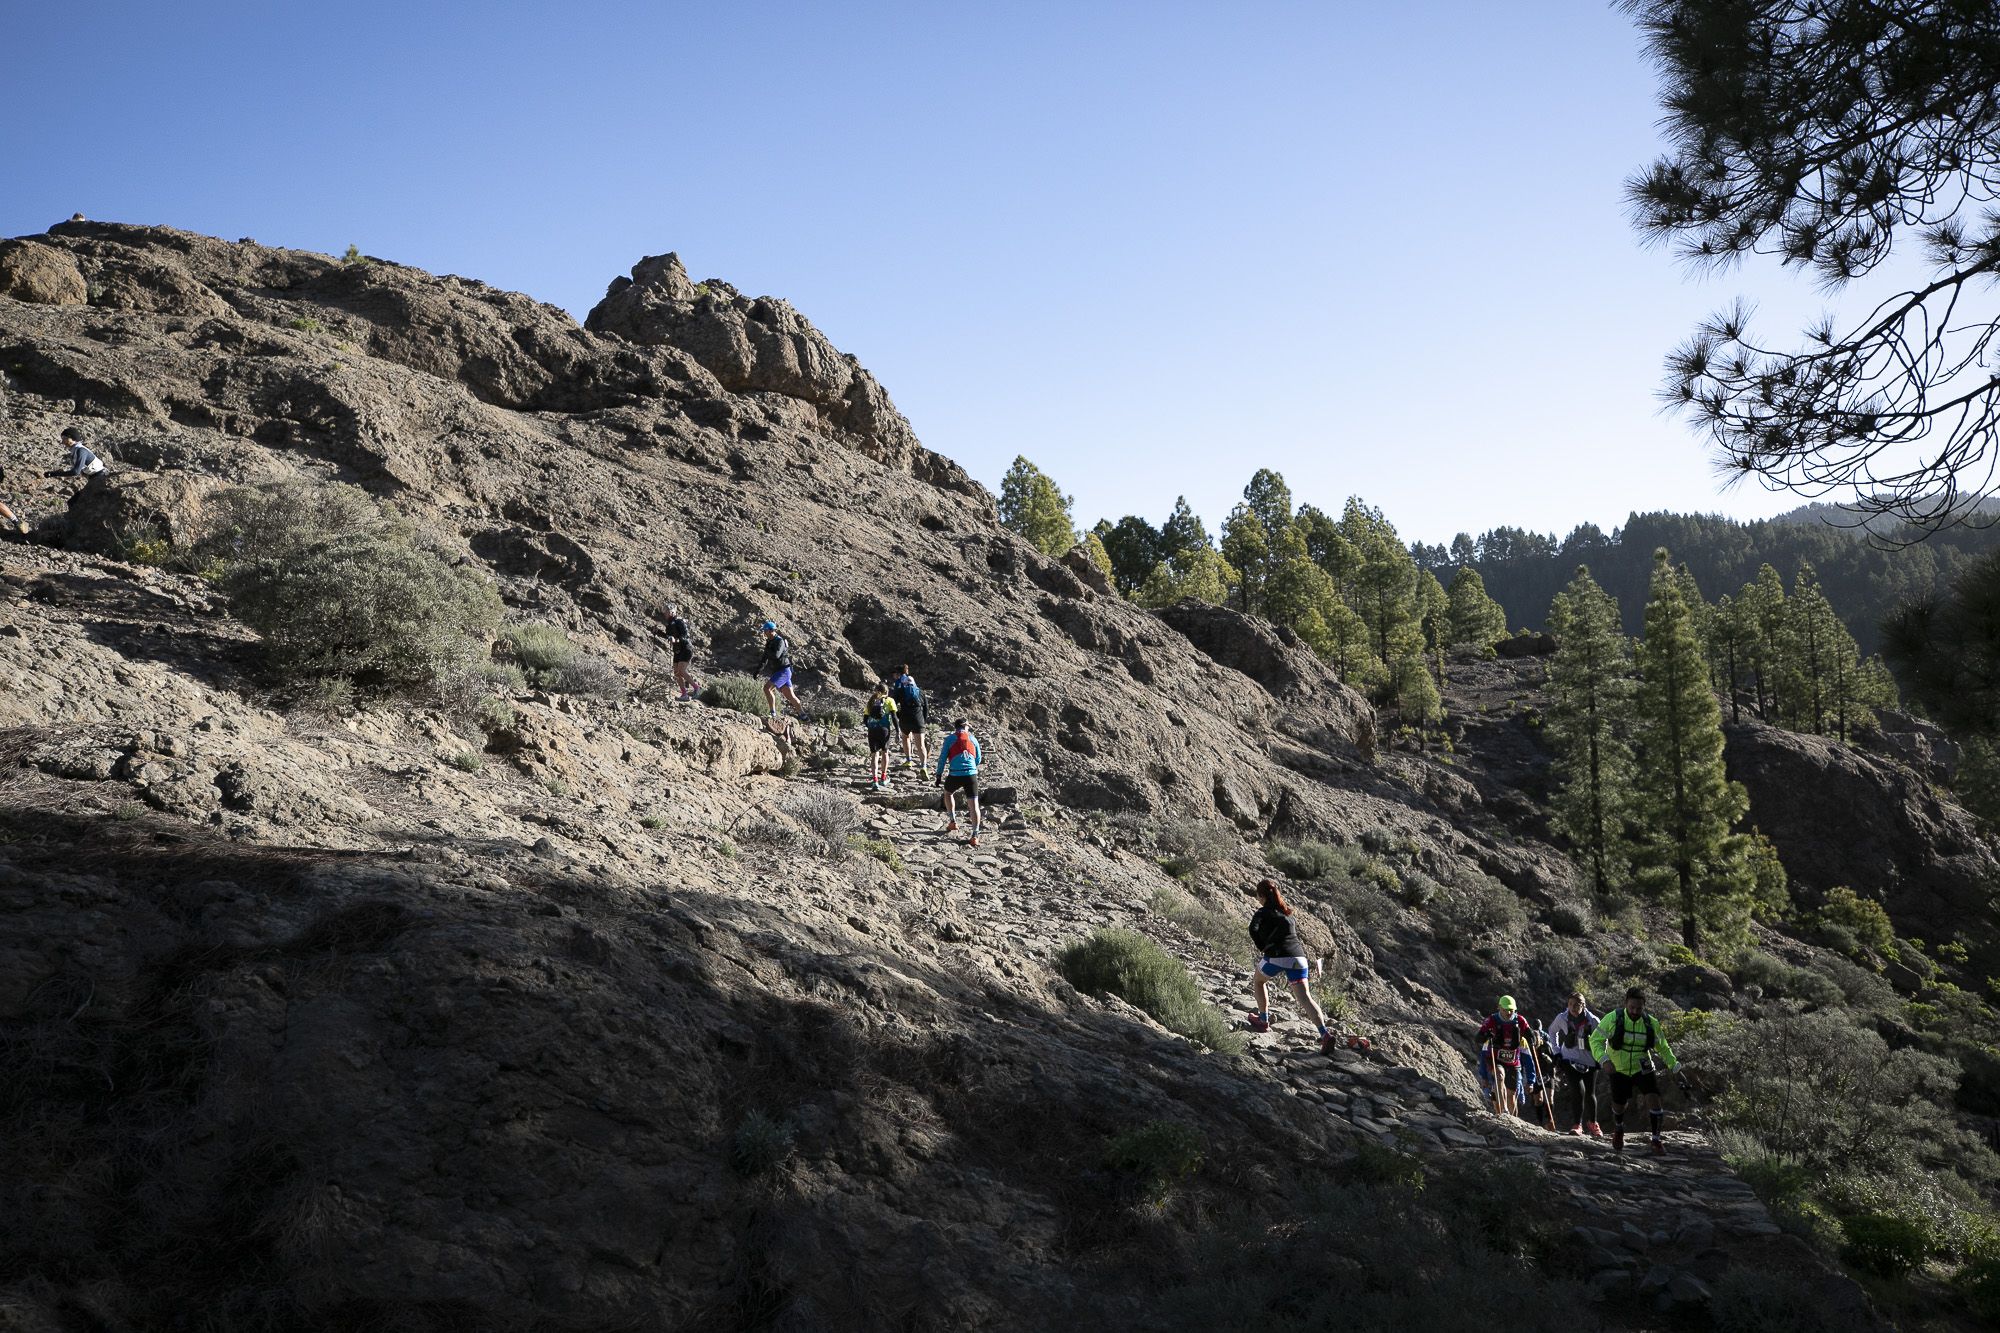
(1507, 1004)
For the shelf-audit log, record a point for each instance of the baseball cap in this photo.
(1506, 1004)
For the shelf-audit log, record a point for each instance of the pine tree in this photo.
(1590, 709)
(1271, 501)
(1199, 573)
(1417, 697)
(1297, 587)
(1684, 805)
(1476, 620)
(1183, 532)
(1134, 546)
(1031, 506)
(1434, 620)
(1348, 647)
(1766, 599)
(1246, 545)
(1093, 546)
(1384, 590)
(1732, 648)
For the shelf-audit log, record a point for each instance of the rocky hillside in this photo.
(374, 1018)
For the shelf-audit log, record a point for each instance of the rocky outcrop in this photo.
(1839, 816)
(763, 345)
(31, 271)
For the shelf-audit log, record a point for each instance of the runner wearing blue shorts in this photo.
(776, 668)
(1276, 936)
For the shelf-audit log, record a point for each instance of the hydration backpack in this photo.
(908, 695)
(1618, 1031)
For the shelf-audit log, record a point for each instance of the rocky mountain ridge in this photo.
(321, 1029)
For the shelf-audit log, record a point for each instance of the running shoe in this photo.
(1259, 1023)
(1595, 1132)
(1328, 1044)
(1618, 1138)
(951, 827)
(1659, 1149)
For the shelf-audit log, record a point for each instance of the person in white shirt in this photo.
(1569, 1034)
(80, 461)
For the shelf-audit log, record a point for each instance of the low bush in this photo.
(1304, 859)
(880, 848)
(1379, 876)
(745, 694)
(1978, 1285)
(1825, 1092)
(840, 719)
(1571, 919)
(1472, 905)
(1156, 1156)
(541, 652)
(1760, 969)
(773, 835)
(1883, 1243)
(1192, 845)
(340, 591)
(591, 675)
(1368, 911)
(827, 817)
(465, 761)
(1114, 961)
(760, 1144)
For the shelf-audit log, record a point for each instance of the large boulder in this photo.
(42, 274)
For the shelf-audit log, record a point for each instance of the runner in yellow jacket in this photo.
(1627, 1040)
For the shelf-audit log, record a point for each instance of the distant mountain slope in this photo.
(1865, 575)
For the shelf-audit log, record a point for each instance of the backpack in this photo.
(908, 695)
(955, 746)
(1618, 1031)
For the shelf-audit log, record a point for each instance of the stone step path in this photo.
(1647, 1225)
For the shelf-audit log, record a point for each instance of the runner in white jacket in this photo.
(1569, 1034)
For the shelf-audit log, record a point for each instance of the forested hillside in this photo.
(1864, 576)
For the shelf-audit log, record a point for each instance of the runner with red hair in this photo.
(1276, 936)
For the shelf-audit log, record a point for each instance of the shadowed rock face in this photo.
(1839, 816)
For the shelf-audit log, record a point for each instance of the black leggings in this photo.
(1579, 1088)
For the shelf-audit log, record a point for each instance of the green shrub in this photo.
(652, 822)
(1114, 961)
(591, 675)
(354, 597)
(1419, 889)
(1381, 877)
(1376, 841)
(760, 1144)
(1157, 1155)
(1304, 859)
(501, 678)
(880, 848)
(307, 324)
(745, 694)
(1804, 984)
(465, 761)
(1883, 1243)
(1824, 1092)
(1760, 969)
(540, 651)
(495, 715)
(1863, 917)
(1978, 1284)
(840, 719)
(1475, 904)
(1379, 1164)
(1192, 845)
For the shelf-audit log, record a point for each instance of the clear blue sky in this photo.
(1154, 246)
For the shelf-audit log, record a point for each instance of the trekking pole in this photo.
(1548, 1093)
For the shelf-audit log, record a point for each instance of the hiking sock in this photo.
(1658, 1118)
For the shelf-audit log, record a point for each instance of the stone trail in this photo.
(1645, 1226)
